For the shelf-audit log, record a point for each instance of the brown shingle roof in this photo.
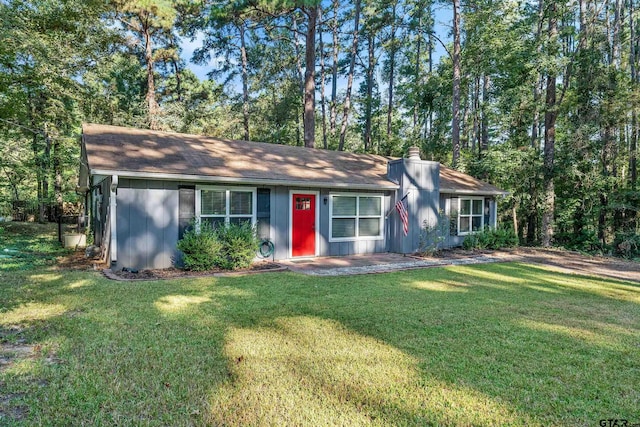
(452, 181)
(139, 152)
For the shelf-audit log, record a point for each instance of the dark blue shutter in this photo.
(263, 212)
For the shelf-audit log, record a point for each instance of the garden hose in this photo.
(266, 248)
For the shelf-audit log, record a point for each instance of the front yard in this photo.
(493, 344)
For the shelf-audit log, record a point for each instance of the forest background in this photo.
(538, 97)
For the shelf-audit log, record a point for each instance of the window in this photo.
(355, 216)
(218, 206)
(470, 215)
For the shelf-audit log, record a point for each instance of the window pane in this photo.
(344, 206)
(214, 221)
(477, 223)
(465, 206)
(370, 206)
(343, 227)
(464, 225)
(477, 207)
(369, 227)
(213, 202)
(303, 203)
(241, 203)
(240, 220)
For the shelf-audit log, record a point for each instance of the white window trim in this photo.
(470, 215)
(227, 190)
(357, 217)
(316, 225)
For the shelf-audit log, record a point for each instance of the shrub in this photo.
(491, 238)
(432, 236)
(200, 247)
(239, 244)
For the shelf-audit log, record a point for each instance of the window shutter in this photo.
(186, 208)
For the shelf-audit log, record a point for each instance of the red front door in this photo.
(303, 227)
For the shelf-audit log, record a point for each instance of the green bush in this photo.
(239, 244)
(491, 238)
(200, 246)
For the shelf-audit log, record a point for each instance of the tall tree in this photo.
(151, 21)
(310, 77)
(551, 113)
(352, 64)
(455, 101)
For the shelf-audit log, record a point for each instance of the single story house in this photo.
(144, 187)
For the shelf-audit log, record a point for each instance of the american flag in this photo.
(404, 214)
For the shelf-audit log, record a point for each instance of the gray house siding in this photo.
(280, 218)
(148, 223)
(449, 205)
(99, 209)
(419, 180)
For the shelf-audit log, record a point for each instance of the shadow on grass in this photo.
(539, 345)
(482, 345)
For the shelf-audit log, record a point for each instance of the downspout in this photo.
(113, 247)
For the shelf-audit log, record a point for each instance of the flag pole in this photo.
(393, 208)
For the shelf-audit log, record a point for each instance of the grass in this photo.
(494, 344)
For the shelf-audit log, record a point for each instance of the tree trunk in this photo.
(392, 67)
(352, 64)
(176, 72)
(417, 73)
(296, 45)
(322, 81)
(615, 42)
(550, 136)
(484, 119)
(310, 79)
(245, 81)
(475, 105)
(369, 101)
(455, 107)
(45, 166)
(57, 184)
(633, 58)
(150, 98)
(537, 89)
(333, 110)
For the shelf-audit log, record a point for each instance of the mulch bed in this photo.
(175, 273)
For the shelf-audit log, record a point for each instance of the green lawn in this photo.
(495, 344)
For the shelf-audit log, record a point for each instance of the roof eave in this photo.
(473, 192)
(242, 180)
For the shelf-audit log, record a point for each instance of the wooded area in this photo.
(537, 97)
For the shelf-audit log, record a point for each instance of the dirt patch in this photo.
(77, 261)
(9, 411)
(10, 353)
(175, 273)
(610, 267)
(561, 260)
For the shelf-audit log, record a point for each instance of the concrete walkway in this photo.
(378, 263)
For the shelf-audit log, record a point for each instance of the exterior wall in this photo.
(100, 194)
(147, 223)
(420, 181)
(445, 206)
(280, 198)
